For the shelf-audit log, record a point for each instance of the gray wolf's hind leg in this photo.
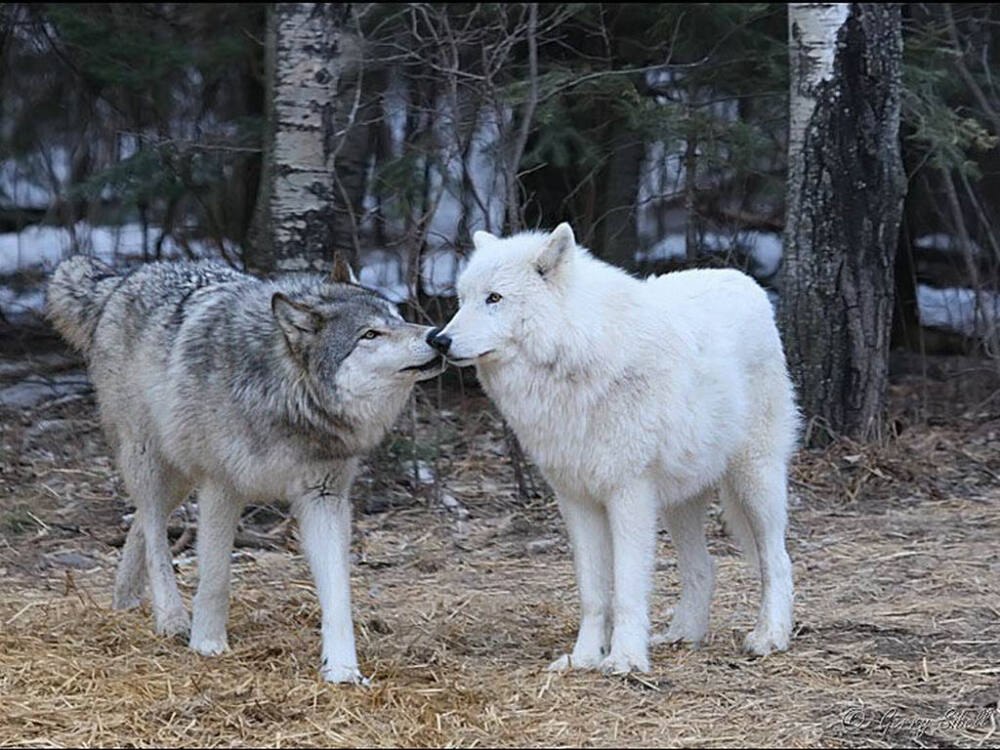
(156, 489)
(130, 580)
(218, 514)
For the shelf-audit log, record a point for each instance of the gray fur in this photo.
(249, 390)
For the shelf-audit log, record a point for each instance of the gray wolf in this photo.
(631, 397)
(245, 390)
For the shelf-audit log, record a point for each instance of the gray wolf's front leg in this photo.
(325, 530)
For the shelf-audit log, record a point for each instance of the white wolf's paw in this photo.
(562, 664)
(209, 646)
(681, 632)
(575, 660)
(620, 662)
(344, 674)
(763, 641)
(173, 623)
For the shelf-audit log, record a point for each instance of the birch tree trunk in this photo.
(296, 220)
(845, 193)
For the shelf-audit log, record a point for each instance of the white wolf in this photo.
(248, 390)
(631, 396)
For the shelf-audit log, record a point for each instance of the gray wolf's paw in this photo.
(621, 662)
(125, 601)
(762, 641)
(344, 674)
(209, 646)
(173, 623)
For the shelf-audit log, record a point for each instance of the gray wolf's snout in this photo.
(439, 341)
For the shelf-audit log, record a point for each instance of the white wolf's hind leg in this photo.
(156, 491)
(218, 514)
(632, 517)
(590, 538)
(686, 523)
(130, 580)
(760, 489)
(325, 530)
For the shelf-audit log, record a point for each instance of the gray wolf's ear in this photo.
(556, 250)
(342, 272)
(480, 238)
(298, 322)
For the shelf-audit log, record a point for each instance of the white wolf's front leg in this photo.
(325, 530)
(632, 518)
(587, 525)
(218, 514)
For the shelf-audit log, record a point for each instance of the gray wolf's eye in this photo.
(493, 298)
(371, 334)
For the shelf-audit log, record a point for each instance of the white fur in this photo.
(631, 396)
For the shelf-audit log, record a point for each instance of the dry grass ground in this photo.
(458, 610)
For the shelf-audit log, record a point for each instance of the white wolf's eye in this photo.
(493, 298)
(370, 334)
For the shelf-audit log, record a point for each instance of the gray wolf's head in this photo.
(351, 345)
(512, 296)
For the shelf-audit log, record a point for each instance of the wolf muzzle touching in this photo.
(246, 390)
(634, 398)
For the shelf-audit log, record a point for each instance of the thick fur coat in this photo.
(246, 390)
(635, 398)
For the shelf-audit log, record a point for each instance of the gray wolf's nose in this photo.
(438, 341)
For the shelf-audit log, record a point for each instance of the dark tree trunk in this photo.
(359, 116)
(845, 192)
(618, 224)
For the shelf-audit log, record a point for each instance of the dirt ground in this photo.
(463, 594)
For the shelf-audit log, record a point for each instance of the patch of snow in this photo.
(425, 474)
(28, 393)
(42, 247)
(16, 304)
(383, 272)
(671, 246)
(945, 243)
(956, 309)
(764, 247)
(439, 270)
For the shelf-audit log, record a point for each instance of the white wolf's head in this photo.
(511, 298)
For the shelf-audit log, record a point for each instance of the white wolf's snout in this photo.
(460, 342)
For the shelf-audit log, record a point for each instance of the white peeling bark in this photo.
(812, 34)
(306, 61)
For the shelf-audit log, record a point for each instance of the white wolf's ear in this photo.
(342, 272)
(556, 250)
(298, 322)
(480, 238)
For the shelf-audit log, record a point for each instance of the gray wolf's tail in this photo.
(75, 297)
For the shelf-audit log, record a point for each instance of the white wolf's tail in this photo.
(75, 297)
